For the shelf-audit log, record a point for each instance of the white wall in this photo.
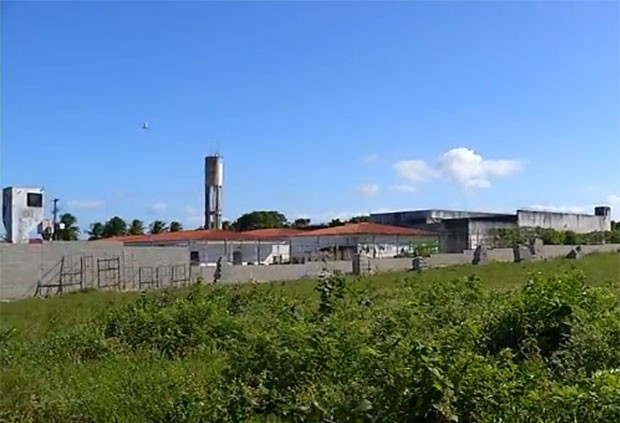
(18, 217)
(372, 246)
(264, 251)
(579, 223)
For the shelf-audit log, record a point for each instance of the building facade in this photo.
(463, 230)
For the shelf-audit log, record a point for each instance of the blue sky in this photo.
(320, 109)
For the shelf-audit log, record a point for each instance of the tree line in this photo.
(268, 219)
(510, 236)
(117, 226)
(262, 219)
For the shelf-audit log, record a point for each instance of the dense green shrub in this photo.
(349, 352)
(506, 237)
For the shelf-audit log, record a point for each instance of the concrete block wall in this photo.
(391, 264)
(22, 266)
(501, 254)
(562, 250)
(240, 274)
(441, 260)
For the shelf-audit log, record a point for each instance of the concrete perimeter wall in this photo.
(23, 267)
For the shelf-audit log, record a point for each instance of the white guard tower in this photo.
(214, 180)
(22, 212)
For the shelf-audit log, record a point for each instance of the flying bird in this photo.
(145, 125)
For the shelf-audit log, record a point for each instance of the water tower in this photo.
(22, 212)
(214, 180)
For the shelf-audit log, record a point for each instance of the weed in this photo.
(465, 344)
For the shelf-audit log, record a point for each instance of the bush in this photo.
(351, 351)
(510, 237)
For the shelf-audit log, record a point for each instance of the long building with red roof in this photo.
(180, 237)
(371, 239)
(277, 245)
(365, 228)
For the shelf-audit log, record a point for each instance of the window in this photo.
(34, 199)
(194, 257)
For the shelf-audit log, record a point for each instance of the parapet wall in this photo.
(579, 223)
(23, 267)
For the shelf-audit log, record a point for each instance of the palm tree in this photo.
(114, 227)
(157, 227)
(175, 226)
(136, 227)
(96, 231)
(70, 231)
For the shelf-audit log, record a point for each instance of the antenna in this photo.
(55, 211)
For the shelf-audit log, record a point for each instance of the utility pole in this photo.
(55, 217)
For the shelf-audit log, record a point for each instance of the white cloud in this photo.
(414, 170)
(460, 165)
(470, 170)
(157, 208)
(86, 204)
(370, 158)
(367, 190)
(403, 188)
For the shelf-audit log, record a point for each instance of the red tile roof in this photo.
(363, 228)
(366, 228)
(273, 233)
(181, 236)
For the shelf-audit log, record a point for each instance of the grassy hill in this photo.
(502, 342)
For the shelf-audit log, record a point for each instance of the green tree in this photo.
(114, 227)
(507, 237)
(227, 225)
(96, 231)
(158, 227)
(359, 219)
(175, 226)
(335, 222)
(551, 236)
(570, 238)
(70, 231)
(261, 220)
(136, 227)
(301, 223)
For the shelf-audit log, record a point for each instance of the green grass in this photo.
(477, 343)
(36, 316)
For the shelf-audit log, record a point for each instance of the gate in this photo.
(145, 277)
(108, 272)
(179, 275)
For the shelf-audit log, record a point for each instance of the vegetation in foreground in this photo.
(418, 347)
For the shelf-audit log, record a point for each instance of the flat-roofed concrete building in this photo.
(461, 230)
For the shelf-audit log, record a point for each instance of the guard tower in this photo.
(604, 215)
(214, 180)
(22, 212)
